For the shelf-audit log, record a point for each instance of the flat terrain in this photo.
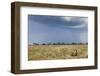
(51, 52)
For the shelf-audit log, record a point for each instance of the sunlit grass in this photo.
(51, 52)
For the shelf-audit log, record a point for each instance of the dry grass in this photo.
(51, 52)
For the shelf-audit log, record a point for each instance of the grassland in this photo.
(51, 52)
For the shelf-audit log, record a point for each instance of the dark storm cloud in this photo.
(59, 21)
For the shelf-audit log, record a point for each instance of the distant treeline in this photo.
(60, 43)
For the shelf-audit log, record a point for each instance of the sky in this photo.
(54, 29)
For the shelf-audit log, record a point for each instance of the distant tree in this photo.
(73, 43)
(80, 43)
(43, 44)
(35, 44)
(86, 43)
(54, 43)
(63, 43)
(58, 43)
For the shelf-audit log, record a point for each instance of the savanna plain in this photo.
(54, 52)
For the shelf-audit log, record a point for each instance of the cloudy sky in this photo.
(53, 29)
